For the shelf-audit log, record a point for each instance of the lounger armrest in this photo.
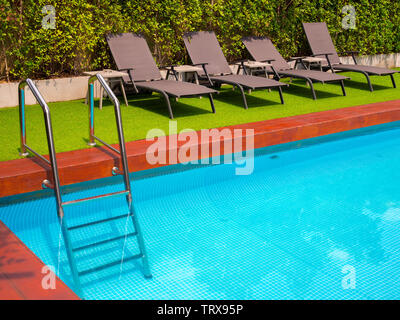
(352, 53)
(172, 66)
(203, 65)
(130, 74)
(199, 64)
(126, 69)
(241, 61)
(321, 54)
(298, 60)
(327, 54)
(267, 60)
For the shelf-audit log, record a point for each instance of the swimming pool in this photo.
(297, 228)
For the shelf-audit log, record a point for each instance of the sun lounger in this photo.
(132, 54)
(204, 50)
(263, 50)
(321, 44)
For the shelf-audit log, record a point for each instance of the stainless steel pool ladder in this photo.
(55, 184)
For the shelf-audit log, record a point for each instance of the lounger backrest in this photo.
(130, 50)
(320, 40)
(262, 48)
(203, 47)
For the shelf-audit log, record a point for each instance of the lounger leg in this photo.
(281, 95)
(343, 89)
(211, 102)
(312, 89)
(171, 115)
(369, 81)
(243, 96)
(123, 92)
(393, 81)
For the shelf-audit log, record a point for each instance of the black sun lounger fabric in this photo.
(132, 54)
(203, 48)
(321, 44)
(262, 49)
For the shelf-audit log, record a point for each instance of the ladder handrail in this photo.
(53, 163)
(49, 134)
(118, 118)
(124, 159)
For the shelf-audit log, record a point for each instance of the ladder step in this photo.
(112, 194)
(104, 241)
(108, 265)
(100, 221)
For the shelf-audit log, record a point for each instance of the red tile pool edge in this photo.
(21, 271)
(26, 175)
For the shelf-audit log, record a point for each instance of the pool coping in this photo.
(22, 273)
(21, 270)
(26, 175)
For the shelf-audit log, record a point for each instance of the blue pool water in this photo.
(304, 223)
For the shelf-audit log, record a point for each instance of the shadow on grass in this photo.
(305, 92)
(157, 104)
(363, 85)
(234, 98)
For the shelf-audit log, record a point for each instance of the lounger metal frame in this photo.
(338, 69)
(212, 79)
(137, 84)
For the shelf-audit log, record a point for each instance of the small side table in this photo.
(313, 61)
(253, 66)
(183, 71)
(111, 76)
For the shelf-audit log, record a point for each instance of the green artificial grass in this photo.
(145, 112)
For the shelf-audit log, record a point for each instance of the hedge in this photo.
(77, 43)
